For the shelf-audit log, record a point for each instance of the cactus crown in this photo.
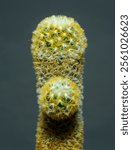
(58, 36)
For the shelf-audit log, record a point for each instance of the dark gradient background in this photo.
(18, 101)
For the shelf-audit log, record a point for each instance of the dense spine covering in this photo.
(58, 47)
(59, 98)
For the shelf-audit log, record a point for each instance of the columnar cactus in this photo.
(58, 47)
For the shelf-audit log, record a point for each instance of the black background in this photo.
(18, 101)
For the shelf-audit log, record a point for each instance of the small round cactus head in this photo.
(59, 98)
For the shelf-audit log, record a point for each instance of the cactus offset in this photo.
(59, 98)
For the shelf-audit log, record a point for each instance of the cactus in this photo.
(59, 98)
(58, 48)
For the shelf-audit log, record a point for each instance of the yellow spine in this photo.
(58, 47)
